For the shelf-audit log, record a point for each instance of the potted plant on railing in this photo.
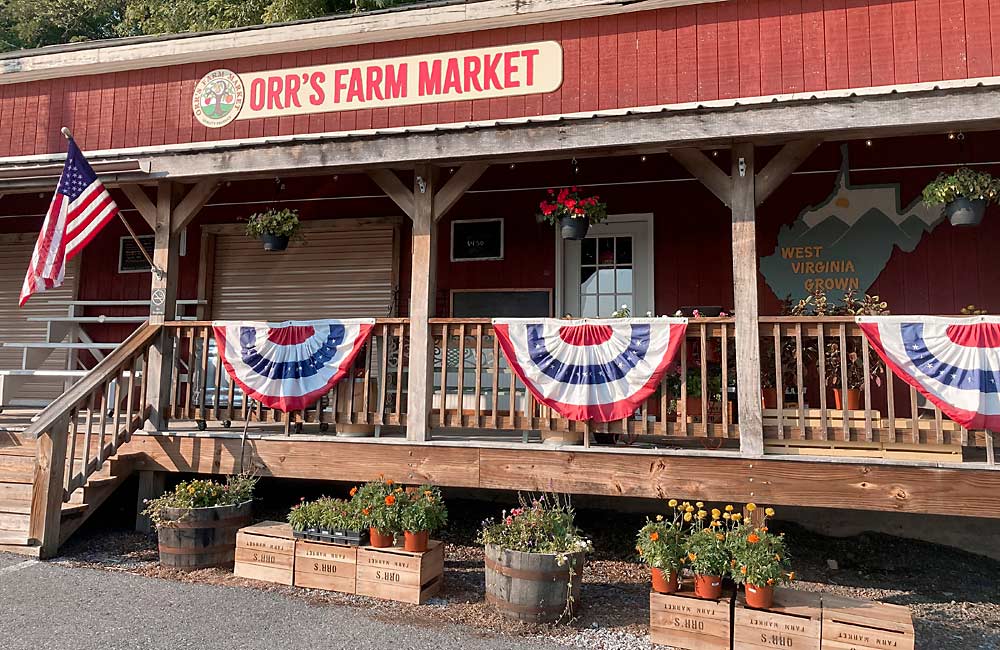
(274, 227)
(964, 195)
(196, 523)
(423, 512)
(759, 560)
(573, 211)
(707, 553)
(534, 560)
(661, 545)
(381, 505)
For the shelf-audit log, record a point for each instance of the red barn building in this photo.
(749, 152)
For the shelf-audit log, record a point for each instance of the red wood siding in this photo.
(692, 53)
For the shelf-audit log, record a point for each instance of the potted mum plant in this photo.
(274, 227)
(661, 546)
(381, 505)
(334, 521)
(964, 195)
(759, 560)
(211, 514)
(573, 211)
(707, 553)
(423, 512)
(535, 556)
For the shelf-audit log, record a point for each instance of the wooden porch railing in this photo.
(375, 394)
(474, 387)
(84, 427)
(803, 359)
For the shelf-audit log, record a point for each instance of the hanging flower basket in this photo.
(964, 195)
(273, 227)
(573, 211)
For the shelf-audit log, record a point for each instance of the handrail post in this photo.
(420, 387)
(47, 486)
(744, 242)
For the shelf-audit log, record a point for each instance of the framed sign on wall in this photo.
(130, 258)
(476, 240)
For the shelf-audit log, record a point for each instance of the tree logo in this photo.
(218, 98)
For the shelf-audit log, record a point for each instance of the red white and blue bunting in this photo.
(953, 362)
(591, 369)
(290, 365)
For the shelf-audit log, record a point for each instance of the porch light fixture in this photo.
(421, 184)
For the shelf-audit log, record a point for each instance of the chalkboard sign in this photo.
(130, 258)
(502, 303)
(479, 239)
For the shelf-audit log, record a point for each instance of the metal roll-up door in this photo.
(15, 253)
(341, 269)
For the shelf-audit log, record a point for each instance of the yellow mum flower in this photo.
(659, 517)
(726, 516)
(702, 514)
(687, 516)
(751, 507)
(769, 512)
(672, 503)
(737, 516)
(692, 556)
(720, 536)
(700, 504)
(716, 513)
(689, 508)
(729, 508)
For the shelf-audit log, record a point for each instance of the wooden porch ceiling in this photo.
(712, 476)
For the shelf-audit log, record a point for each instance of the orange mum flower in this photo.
(743, 570)
(753, 538)
(654, 536)
(354, 491)
(390, 500)
(389, 482)
(364, 511)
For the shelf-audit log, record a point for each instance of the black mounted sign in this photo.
(476, 240)
(130, 258)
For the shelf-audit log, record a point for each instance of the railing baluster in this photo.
(71, 456)
(824, 422)
(366, 383)
(496, 377)
(914, 417)
(843, 381)
(938, 426)
(867, 369)
(799, 381)
(461, 375)
(188, 403)
(203, 380)
(85, 464)
(890, 405)
(779, 387)
(725, 379)
(400, 359)
(706, 393)
(477, 422)
(383, 379)
(104, 422)
(682, 399)
(130, 398)
(445, 335)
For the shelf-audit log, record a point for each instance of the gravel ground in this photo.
(954, 596)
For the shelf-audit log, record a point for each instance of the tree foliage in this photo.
(35, 23)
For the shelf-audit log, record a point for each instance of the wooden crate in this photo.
(266, 552)
(326, 566)
(852, 624)
(395, 574)
(793, 621)
(683, 621)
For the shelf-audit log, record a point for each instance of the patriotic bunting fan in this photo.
(591, 369)
(289, 366)
(953, 362)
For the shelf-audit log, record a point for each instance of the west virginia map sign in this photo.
(845, 242)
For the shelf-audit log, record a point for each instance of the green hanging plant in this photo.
(962, 183)
(280, 223)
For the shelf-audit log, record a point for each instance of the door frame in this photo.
(645, 217)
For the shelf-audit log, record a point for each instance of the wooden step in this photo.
(24, 508)
(17, 469)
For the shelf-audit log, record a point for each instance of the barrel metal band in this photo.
(195, 550)
(241, 520)
(522, 574)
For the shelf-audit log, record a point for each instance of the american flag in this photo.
(80, 207)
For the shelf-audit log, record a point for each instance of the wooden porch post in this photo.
(47, 487)
(744, 237)
(420, 390)
(163, 306)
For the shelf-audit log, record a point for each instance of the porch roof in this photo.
(972, 104)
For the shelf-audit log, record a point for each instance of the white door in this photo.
(612, 267)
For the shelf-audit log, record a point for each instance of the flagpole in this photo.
(142, 249)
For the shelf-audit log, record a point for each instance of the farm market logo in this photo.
(218, 98)
(483, 73)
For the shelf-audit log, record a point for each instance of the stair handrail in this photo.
(103, 371)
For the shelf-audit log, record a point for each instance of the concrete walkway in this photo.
(48, 606)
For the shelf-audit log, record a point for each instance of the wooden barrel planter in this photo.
(532, 587)
(198, 538)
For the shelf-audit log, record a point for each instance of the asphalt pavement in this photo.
(49, 606)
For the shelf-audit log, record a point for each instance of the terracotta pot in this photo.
(415, 542)
(853, 398)
(707, 587)
(759, 597)
(769, 397)
(664, 583)
(379, 540)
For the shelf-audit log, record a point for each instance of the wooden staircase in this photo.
(17, 469)
(58, 467)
